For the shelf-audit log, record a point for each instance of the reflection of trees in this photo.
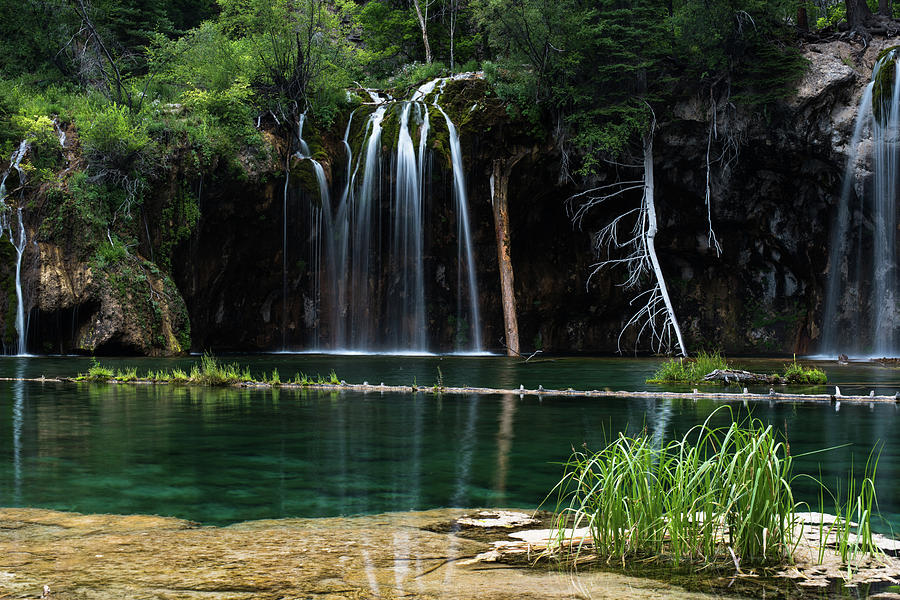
(505, 434)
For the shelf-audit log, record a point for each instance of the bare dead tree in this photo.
(655, 314)
(104, 64)
(423, 25)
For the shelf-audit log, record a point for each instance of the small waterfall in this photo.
(464, 234)
(362, 220)
(409, 273)
(18, 238)
(861, 302)
(370, 246)
(321, 229)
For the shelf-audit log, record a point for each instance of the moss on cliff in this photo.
(883, 86)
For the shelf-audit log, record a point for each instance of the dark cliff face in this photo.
(773, 196)
(772, 201)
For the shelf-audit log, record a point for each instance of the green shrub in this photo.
(796, 373)
(110, 138)
(231, 106)
(97, 372)
(687, 370)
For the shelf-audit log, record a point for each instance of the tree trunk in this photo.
(651, 236)
(885, 8)
(499, 190)
(857, 13)
(802, 19)
(423, 26)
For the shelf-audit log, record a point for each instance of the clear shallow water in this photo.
(224, 455)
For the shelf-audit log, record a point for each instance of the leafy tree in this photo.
(299, 51)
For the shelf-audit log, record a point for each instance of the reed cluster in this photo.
(718, 495)
(209, 372)
(689, 370)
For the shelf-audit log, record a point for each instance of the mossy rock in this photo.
(303, 176)
(883, 86)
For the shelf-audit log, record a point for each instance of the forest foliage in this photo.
(145, 81)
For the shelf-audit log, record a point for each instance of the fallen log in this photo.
(738, 376)
(522, 391)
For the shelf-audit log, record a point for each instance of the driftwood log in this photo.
(737, 376)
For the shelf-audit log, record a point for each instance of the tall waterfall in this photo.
(862, 303)
(15, 230)
(369, 250)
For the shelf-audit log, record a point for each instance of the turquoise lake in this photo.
(219, 456)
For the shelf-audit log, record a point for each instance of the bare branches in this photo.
(105, 64)
(636, 252)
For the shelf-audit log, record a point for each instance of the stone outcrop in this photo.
(125, 308)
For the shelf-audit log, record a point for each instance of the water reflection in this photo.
(18, 420)
(224, 455)
(505, 436)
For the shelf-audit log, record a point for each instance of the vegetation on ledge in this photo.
(210, 372)
(696, 370)
(690, 370)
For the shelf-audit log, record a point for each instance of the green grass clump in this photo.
(716, 497)
(689, 370)
(796, 373)
(97, 372)
(685, 502)
(209, 372)
(213, 373)
(127, 375)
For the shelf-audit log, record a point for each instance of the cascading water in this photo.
(371, 246)
(464, 235)
(17, 237)
(320, 230)
(862, 316)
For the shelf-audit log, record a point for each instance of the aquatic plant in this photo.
(855, 513)
(97, 372)
(717, 496)
(126, 375)
(689, 370)
(794, 372)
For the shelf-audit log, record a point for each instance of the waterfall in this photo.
(862, 316)
(17, 237)
(464, 235)
(371, 245)
(320, 228)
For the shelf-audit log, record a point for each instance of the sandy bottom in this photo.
(397, 555)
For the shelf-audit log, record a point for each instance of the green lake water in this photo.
(219, 456)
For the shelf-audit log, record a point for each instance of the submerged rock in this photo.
(106, 557)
